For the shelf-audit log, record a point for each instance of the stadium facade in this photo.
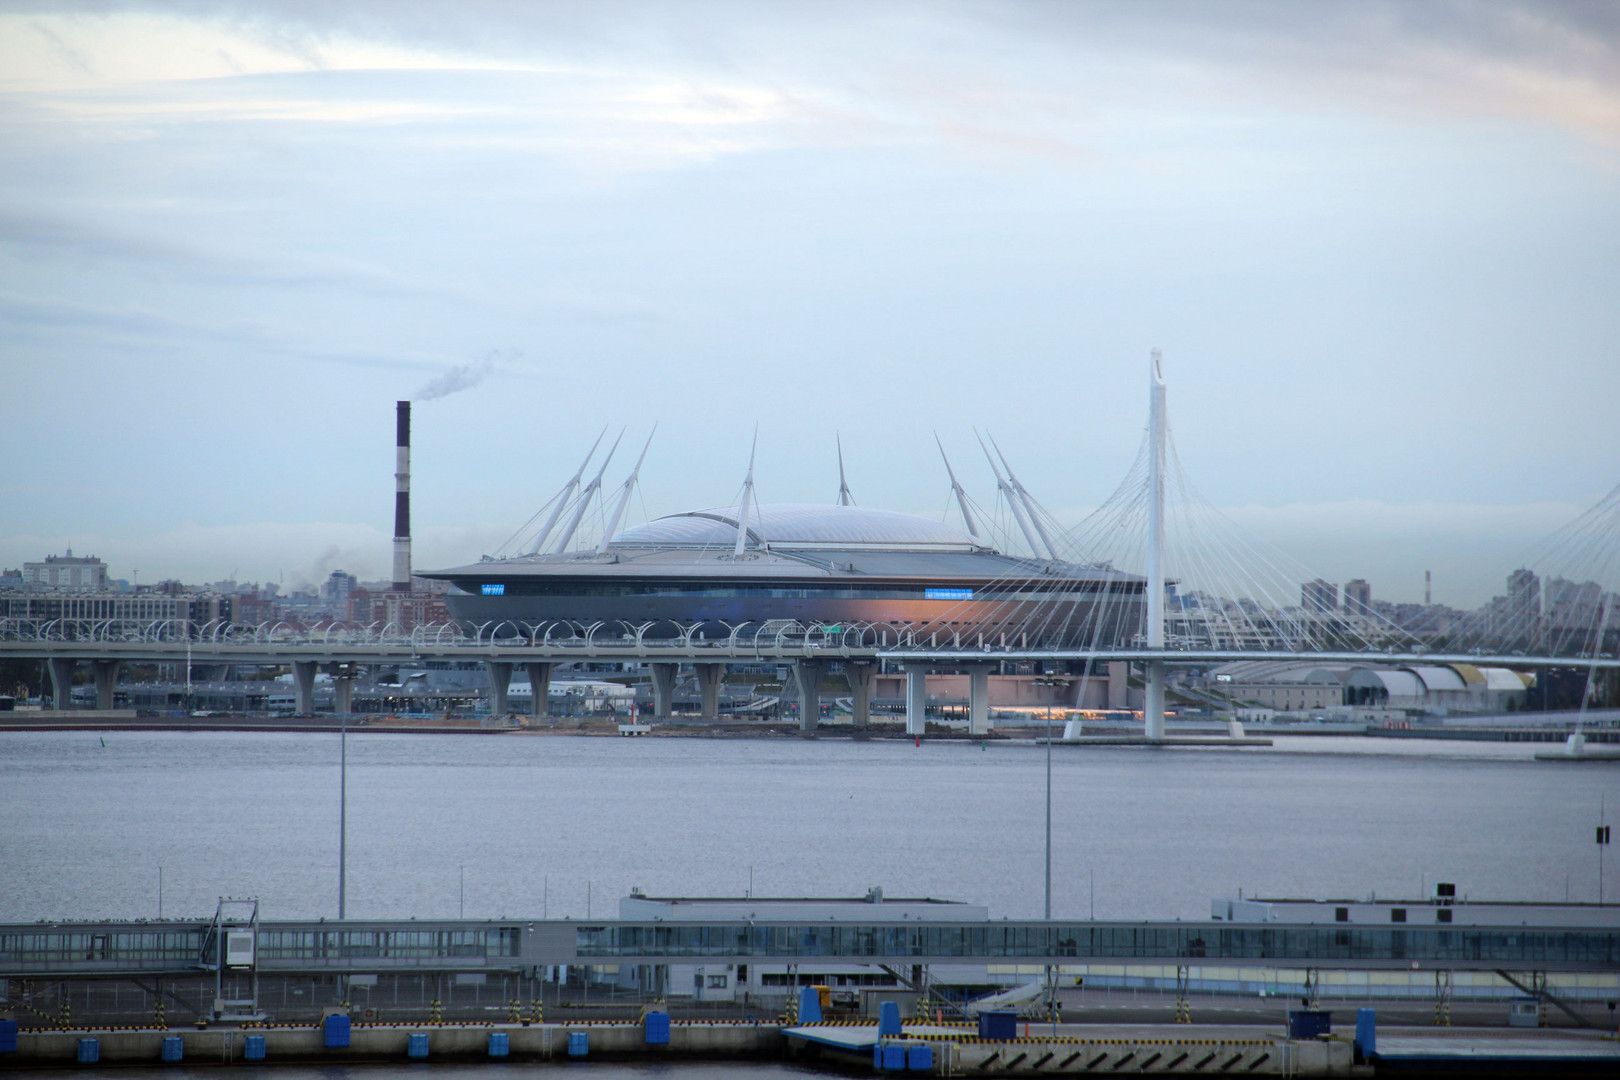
(882, 572)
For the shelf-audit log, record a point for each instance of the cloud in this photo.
(632, 86)
(50, 317)
(85, 236)
(1544, 62)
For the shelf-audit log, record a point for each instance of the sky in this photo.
(1378, 244)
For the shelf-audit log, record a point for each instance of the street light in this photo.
(1053, 683)
(1051, 984)
(343, 671)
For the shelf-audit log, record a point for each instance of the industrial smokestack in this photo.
(402, 498)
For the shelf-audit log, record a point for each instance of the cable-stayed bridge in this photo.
(1155, 577)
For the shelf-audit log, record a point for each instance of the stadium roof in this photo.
(798, 525)
(788, 541)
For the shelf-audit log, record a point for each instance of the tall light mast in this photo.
(1023, 495)
(956, 489)
(563, 497)
(624, 497)
(747, 495)
(844, 497)
(585, 498)
(1012, 500)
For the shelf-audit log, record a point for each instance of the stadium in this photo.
(882, 573)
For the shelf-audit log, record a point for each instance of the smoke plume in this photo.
(461, 377)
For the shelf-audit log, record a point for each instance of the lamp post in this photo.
(1051, 983)
(343, 671)
(1052, 684)
(343, 818)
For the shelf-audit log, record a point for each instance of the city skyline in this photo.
(1375, 243)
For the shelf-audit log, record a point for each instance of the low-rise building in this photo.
(1302, 686)
(147, 607)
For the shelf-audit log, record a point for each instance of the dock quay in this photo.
(841, 1048)
(235, 988)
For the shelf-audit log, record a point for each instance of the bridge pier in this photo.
(106, 672)
(709, 677)
(808, 674)
(663, 685)
(304, 686)
(62, 682)
(858, 673)
(1119, 684)
(540, 685)
(979, 699)
(1153, 701)
(343, 689)
(500, 684)
(916, 699)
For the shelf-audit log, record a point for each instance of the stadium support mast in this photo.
(1153, 703)
(747, 494)
(585, 498)
(1023, 496)
(562, 499)
(956, 489)
(844, 497)
(1012, 500)
(624, 497)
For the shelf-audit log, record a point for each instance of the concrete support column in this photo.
(808, 674)
(1119, 684)
(709, 677)
(343, 690)
(663, 681)
(1153, 703)
(500, 681)
(979, 699)
(304, 682)
(916, 699)
(859, 676)
(540, 684)
(62, 682)
(106, 681)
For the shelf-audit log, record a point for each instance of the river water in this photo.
(528, 826)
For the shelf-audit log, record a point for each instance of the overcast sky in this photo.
(1379, 244)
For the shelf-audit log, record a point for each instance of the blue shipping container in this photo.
(253, 1048)
(337, 1031)
(920, 1058)
(174, 1049)
(657, 1025)
(8, 1036)
(89, 1051)
(579, 1043)
(1309, 1023)
(417, 1045)
(500, 1044)
(998, 1025)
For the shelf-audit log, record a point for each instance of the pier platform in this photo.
(846, 1047)
(1489, 1051)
